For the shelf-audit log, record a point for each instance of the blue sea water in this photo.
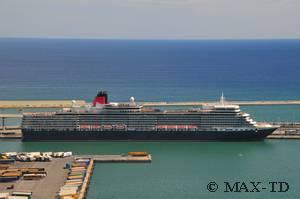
(154, 71)
(165, 71)
(149, 70)
(182, 170)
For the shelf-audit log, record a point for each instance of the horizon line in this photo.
(153, 39)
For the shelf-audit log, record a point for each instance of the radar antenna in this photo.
(73, 103)
(222, 99)
(132, 101)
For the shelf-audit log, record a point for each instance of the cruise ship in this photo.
(102, 120)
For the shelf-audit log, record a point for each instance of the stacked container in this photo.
(74, 180)
(8, 175)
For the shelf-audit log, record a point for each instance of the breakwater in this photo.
(20, 104)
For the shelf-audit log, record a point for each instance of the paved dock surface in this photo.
(45, 188)
(117, 158)
(39, 103)
(84, 187)
(286, 131)
(244, 103)
(283, 136)
(11, 115)
(107, 159)
(48, 187)
(11, 133)
(68, 103)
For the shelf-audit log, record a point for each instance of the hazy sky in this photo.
(152, 19)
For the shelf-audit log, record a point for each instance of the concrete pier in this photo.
(117, 158)
(19, 104)
(107, 159)
(85, 184)
(10, 131)
(57, 174)
(43, 188)
(286, 131)
(243, 103)
(3, 118)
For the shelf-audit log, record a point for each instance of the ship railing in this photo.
(176, 127)
(39, 114)
(50, 129)
(232, 128)
(84, 127)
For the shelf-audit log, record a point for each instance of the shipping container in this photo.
(138, 153)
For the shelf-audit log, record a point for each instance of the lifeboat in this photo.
(193, 127)
(95, 126)
(84, 126)
(176, 127)
(107, 127)
(120, 127)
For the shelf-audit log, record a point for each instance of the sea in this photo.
(166, 70)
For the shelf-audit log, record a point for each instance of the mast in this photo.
(222, 99)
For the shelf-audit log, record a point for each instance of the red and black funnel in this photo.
(101, 98)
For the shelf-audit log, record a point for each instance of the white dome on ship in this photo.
(131, 99)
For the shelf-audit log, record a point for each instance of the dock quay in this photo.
(286, 131)
(117, 158)
(65, 175)
(86, 181)
(10, 132)
(242, 103)
(21, 104)
(54, 179)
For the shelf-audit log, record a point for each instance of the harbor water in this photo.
(165, 71)
(183, 169)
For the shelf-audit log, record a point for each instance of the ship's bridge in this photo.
(123, 107)
(222, 105)
(131, 106)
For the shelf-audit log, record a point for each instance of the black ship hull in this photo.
(258, 134)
